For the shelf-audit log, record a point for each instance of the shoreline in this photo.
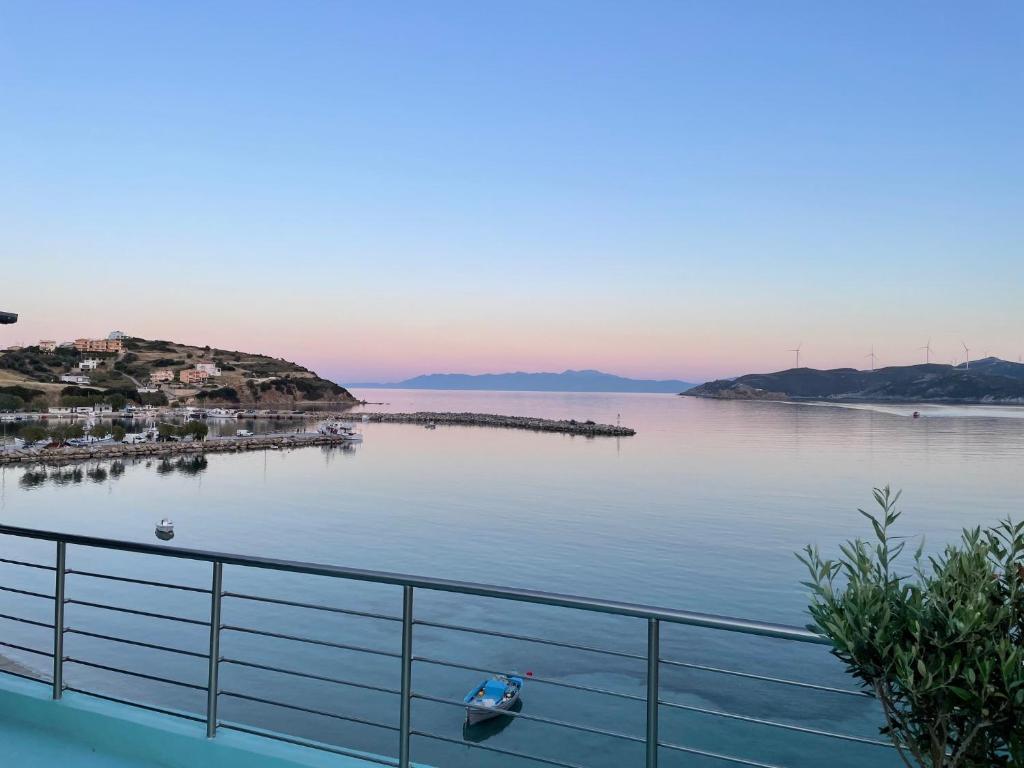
(1005, 403)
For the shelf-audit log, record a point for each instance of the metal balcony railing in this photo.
(651, 741)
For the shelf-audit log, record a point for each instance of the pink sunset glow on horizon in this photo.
(355, 350)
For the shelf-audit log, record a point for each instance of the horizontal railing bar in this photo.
(154, 646)
(534, 679)
(307, 743)
(498, 750)
(765, 679)
(716, 756)
(27, 592)
(26, 621)
(531, 639)
(126, 702)
(689, 618)
(143, 582)
(132, 673)
(313, 606)
(535, 718)
(25, 648)
(307, 675)
(299, 639)
(774, 724)
(308, 710)
(27, 564)
(23, 676)
(136, 612)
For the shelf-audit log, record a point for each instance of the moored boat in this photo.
(339, 429)
(492, 697)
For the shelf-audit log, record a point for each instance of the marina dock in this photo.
(69, 454)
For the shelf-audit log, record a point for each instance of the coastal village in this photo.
(114, 345)
(121, 370)
(121, 395)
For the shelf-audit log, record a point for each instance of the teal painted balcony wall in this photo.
(81, 731)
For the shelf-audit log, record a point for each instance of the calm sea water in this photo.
(701, 510)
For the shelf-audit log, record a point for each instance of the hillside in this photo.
(245, 379)
(566, 381)
(990, 380)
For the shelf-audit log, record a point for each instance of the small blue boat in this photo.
(492, 697)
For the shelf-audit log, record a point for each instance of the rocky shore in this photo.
(565, 426)
(69, 454)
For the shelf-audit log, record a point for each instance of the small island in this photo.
(988, 381)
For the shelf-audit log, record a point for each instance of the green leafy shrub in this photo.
(229, 394)
(153, 398)
(32, 432)
(24, 393)
(940, 646)
(197, 429)
(10, 403)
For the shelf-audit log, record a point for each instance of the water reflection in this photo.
(35, 476)
(488, 729)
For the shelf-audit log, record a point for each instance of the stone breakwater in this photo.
(69, 454)
(565, 426)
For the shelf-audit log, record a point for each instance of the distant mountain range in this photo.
(989, 380)
(566, 381)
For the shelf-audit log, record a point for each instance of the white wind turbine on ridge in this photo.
(797, 350)
(927, 351)
(872, 355)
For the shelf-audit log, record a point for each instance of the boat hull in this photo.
(476, 714)
(477, 711)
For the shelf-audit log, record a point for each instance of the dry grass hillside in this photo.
(246, 379)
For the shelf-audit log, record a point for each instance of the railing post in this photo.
(212, 680)
(58, 621)
(653, 666)
(406, 711)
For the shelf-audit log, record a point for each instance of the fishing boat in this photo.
(338, 429)
(165, 529)
(90, 440)
(493, 697)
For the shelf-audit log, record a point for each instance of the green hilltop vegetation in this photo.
(31, 378)
(989, 380)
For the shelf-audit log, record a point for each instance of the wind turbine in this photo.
(967, 352)
(797, 350)
(927, 351)
(872, 356)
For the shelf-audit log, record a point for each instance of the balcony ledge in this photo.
(82, 731)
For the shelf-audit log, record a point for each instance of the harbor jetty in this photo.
(565, 426)
(70, 454)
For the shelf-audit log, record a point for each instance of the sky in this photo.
(384, 189)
